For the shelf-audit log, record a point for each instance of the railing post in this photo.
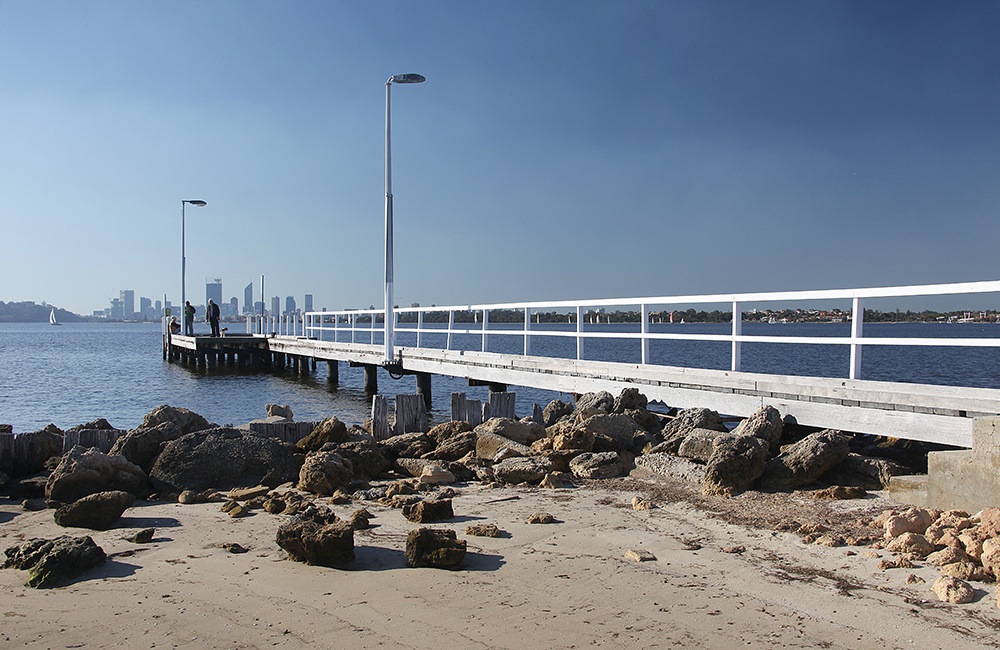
(527, 327)
(857, 326)
(486, 326)
(579, 332)
(644, 328)
(420, 328)
(737, 359)
(451, 324)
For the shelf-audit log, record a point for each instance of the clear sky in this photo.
(559, 150)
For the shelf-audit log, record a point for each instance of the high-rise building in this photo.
(213, 291)
(232, 310)
(276, 306)
(248, 298)
(117, 311)
(127, 298)
(309, 302)
(290, 305)
(146, 309)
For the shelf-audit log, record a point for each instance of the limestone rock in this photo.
(699, 444)
(429, 547)
(912, 543)
(185, 420)
(144, 536)
(735, 464)
(865, 472)
(436, 475)
(98, 511)
(489, 444)
(84, 471)
(953, 590)
(990, 557)
(408, 445)
(568, 435)
(365, 456)
(329, 545)
(522, 470)
(806, 460)
(223, 458)
(552, 481)
(520, 432)
(279, 411)
(670, 466)
(677, 429)
(967, 571)
(541, 518)
(596, 466)
(447, 430)
(483, 530)
(329, 430)
(989, 519)
(613, 432)
(555, 411)
(840, 493)
(911, 520)
(602, 401)
(428, 511)
(50, 563)
(766, 424)
(639, 555)
(947, 555)
(455, 446)
(325, 471)
(141, 446)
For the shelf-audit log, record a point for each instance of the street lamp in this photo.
(389, 325)
(200, 204)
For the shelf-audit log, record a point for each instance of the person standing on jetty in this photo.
(188, 318)
(213, 317)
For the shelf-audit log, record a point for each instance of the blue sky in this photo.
(559, 149)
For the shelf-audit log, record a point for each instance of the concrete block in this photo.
(911, 489)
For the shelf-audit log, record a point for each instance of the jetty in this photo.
(440, 342)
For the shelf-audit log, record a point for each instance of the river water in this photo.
(75, 373)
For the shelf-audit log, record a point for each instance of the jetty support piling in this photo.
(424, 387)
(333, 371)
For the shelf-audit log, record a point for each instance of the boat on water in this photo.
(52, 318)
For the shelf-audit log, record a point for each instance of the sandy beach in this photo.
(722, 577)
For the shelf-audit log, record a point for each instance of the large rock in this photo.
(97, 511)
(407, 445)
(223, 458)
(51, 562)
(589, 465)
(141, 446)
(699, 444)
(489, 444)
(670, 466)
(454, 447)
(601, 401)
(531, 469)
(953, 590)
(429, 511)
(524, 433)
(329, 430)
(629, 399)
(555, 411)
(185, 420)
(279, 411)
(568, 435)
(366, 457)
(686, 421)
(734, 465)
(446, 430)
(766, 424)
(84, 470)
(325, 471)
(806, 460)
(430, 547)
(612, 432)
(322, 544)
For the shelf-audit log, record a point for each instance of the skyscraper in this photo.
(248, 298)
(213, 291)
(309, 302)
(290, 305)
(127, 297)
(276, 306)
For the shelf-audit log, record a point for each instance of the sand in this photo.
(721, 578)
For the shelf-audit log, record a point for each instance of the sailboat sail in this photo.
(52, 318)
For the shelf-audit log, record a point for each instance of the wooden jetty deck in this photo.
(940, 414)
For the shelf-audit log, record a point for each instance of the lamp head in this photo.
(197, 202)
(409, 78)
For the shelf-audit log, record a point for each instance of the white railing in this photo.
(287, 325)
(363, 324)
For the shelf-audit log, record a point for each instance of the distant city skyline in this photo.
(558, 150)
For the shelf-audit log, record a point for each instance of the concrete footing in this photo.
(967, 479)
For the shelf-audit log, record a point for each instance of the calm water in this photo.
(75, 373)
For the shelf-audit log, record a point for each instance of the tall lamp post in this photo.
(200, 204)
(389, 324)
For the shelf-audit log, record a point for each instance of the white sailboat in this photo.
(52, 317)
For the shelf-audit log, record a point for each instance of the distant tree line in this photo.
(29, 312)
